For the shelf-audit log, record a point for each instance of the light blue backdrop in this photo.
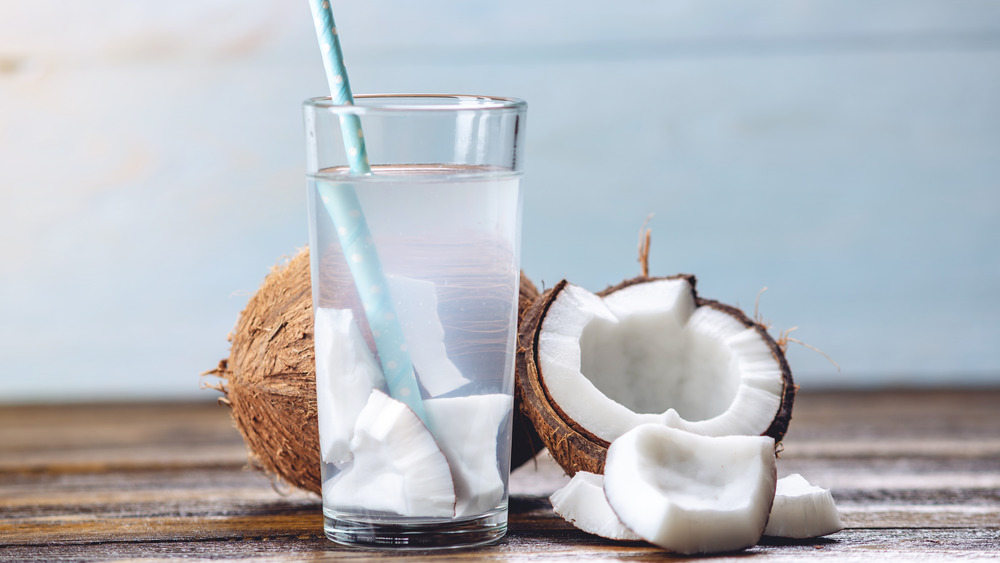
(844, 154)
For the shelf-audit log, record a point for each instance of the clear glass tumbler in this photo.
(415, 270)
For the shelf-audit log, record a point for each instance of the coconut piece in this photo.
(582, 503)
(269, 378)
(397, 466)
(466, 429)
(346, 373)
(416, 305)
(690, 493)
(802, 510)
(593, 366)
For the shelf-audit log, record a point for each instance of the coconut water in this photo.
(447, 241)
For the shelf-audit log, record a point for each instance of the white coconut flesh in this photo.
(690, 493)
(582, 503)
(466, 429)
(647, 353)
(397, 466)
(802, 510)
(346, 373)
(416, 304)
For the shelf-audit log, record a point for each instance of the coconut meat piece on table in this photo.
(582, 502)
(650, 351)
(802, 510)
(690, 493)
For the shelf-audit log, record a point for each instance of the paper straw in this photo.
(341, 202)
(340, 86)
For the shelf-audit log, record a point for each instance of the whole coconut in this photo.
(269, 379)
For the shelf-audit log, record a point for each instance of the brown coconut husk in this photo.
(572, 446)
(269, 378)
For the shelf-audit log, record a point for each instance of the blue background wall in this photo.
(844, 154)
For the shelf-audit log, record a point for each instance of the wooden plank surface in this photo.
(916, 476)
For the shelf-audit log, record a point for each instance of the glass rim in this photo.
(365, 103)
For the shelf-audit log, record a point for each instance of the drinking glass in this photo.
(415, 270)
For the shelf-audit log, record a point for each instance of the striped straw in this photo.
(341, 202)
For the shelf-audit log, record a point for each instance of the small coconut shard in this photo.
(467, 429)
(346, 374)
(688, 493)
(582, 503)
(397, 466)
(802, 510)
(416, 303)
(593, 366)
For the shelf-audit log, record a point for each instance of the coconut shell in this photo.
(269, 378)
(572, 446)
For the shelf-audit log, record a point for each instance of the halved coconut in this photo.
(802, 510)
(397, 466)
(690, 493)
(582, 503)
(593, 366)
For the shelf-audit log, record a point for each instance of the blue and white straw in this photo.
(340, 86)
(341, 202)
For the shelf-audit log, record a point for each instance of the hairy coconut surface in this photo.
(570, 443)
(269, 378)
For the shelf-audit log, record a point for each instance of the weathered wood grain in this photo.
(916, 476)
(861, 545)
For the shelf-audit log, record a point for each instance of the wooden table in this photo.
(916, 476)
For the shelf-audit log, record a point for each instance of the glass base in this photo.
(357, 531)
